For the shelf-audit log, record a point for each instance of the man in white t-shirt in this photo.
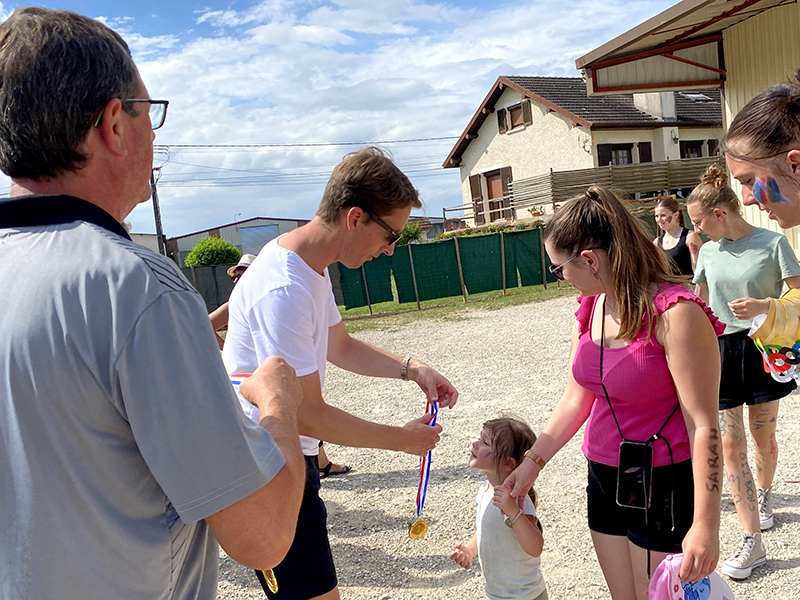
(284, 306)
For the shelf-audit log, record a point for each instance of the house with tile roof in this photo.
(529, 126)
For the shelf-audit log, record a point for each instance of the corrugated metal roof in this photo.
(684, 21)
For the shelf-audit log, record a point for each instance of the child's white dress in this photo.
(510, 572)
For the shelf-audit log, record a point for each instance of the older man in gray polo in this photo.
(124, 455)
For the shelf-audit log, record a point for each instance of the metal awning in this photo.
(680, 48)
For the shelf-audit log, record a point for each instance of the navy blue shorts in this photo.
(308, 570)
(606, 516)
(744, 380)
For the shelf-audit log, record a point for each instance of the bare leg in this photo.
(763, 422)
(613, 554)
(639, 560)
(324, 461)
(737, 469)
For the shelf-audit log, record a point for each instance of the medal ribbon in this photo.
(239, 378)
(425, 463)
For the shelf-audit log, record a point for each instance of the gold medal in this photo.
(272, 583)
(418, 529)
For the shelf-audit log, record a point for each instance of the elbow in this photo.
(267, 551)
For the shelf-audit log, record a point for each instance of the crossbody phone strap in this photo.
(657, 435)
(653, 438)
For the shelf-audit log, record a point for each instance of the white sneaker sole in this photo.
(736, 573)
(767, 523)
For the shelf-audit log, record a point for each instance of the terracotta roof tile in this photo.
(570, 94)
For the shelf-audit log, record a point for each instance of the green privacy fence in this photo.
(453, 267)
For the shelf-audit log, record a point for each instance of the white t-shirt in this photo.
(280, 307)
(510, 572)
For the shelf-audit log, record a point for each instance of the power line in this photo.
(313, 144)
(284, 180)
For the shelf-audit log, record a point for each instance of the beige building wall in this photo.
(549, 142)
(148, 240)
(760, 52)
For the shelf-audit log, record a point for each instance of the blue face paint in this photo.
(669, 219)
(487, 455)
(767, 190)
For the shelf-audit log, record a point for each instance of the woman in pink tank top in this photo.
(645, 373)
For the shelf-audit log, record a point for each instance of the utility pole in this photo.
(156, 209)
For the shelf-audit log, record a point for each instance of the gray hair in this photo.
(58, 70)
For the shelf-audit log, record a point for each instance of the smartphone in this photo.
(635, 474)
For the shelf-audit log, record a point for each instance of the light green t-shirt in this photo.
(751, 267)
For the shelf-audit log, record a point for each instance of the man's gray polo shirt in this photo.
(119, 428)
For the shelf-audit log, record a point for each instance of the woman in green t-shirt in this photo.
(736, 273)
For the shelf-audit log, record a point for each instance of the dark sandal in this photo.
(326, 471)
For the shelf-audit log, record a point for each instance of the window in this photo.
(491, 196)
(692, 149)
(514, 116)
(614, 154)
(696, 97)
(620, 156)
(713, 147)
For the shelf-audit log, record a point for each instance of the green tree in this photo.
(411, 233)
(212, 251)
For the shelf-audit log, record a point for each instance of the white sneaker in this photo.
(765, 508)
(751, 554)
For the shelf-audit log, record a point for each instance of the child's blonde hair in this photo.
(510, 438)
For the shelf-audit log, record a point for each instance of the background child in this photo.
(508, 541)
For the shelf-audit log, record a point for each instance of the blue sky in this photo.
(306, 80)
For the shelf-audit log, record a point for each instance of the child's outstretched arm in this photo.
(464, 554)
(524, 526)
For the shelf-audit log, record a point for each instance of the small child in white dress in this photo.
(508, 540)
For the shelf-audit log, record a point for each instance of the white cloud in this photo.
(283, 72)
(261, 12)
(115, 23)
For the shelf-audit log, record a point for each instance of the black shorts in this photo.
(744, 380)
(606, 516)
(307, 571)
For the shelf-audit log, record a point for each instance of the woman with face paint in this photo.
(737, 272)
(762, 149)
(680, 243)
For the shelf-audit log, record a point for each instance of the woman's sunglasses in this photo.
(558, 270)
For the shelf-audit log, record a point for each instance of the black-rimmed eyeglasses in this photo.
(393, 235)
(558, 270)
(157, 111)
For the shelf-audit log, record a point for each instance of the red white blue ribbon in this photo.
(425, 463)
(239, 378)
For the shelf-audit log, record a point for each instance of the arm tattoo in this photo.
(712, 483)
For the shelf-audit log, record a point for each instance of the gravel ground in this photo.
(509, 361)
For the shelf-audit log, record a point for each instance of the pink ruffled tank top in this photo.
(639, 385)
